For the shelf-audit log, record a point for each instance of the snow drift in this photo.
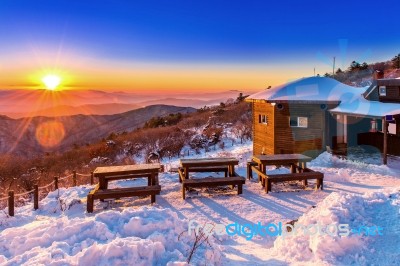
(62, 233)
(372, 209)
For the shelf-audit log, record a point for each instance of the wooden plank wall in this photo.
(392, 94)
(296, 139)
(278, 137)
(263, 133)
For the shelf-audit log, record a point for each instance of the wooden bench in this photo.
(304, 175)
(209, 169)
(250, 164)
(121, 193)
(213, 182)
(150, 179)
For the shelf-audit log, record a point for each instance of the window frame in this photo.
(382, 94)
(263, 119)
(297, 119)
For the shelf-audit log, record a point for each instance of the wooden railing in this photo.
(35, 191)
(376, 139)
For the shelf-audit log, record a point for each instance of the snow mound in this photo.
(372, 209)
(370, 163)
(69, 236)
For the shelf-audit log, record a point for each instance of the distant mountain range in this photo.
(19, 103)
(20, 136)
(88, 109)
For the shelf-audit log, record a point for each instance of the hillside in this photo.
(361, 75)
(164, 135)
(21, 136)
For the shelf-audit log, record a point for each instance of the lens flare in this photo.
(50, 134)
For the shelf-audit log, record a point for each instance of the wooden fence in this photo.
(35, 191)
(376, 139)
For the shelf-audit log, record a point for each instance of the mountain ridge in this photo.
(21, 136)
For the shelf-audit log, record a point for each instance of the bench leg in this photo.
(263, 181)
(292, 168)
(183, 191)
(319, 183)
(240, 189)
(90, 202)
(305, 183)
(186, 173)
(101, 183)
(230, 170)
(267, 185)
(153, 198)
(249, 171)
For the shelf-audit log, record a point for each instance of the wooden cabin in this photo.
(310, 114)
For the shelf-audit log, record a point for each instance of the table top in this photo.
(265, 159)
(127, 169)
(209, 161)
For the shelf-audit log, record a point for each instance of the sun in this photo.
(51, 82)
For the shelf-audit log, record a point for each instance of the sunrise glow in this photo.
(51, 82)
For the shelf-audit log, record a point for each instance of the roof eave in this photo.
(293, 101)
(356, 115)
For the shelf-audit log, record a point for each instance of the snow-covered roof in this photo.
(323, 89)
(311, 89)
(363, 107)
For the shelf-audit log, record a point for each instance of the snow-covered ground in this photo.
(132, 232)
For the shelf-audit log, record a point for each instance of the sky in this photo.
(176, 45)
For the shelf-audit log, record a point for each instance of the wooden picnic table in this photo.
(206, 164)
(109, 173)
(281, 159)
(226, 165)
(297, 163)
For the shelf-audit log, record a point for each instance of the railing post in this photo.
(74, 178)
(385, 126)
(36, 197)
(55, 183)
(91, 178)
(11, 203)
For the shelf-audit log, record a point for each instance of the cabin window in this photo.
(262, 119)
(382, 91)
(298, 121)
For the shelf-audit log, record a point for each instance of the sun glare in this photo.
(51, 82)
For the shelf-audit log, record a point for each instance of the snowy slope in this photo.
(132, 232)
